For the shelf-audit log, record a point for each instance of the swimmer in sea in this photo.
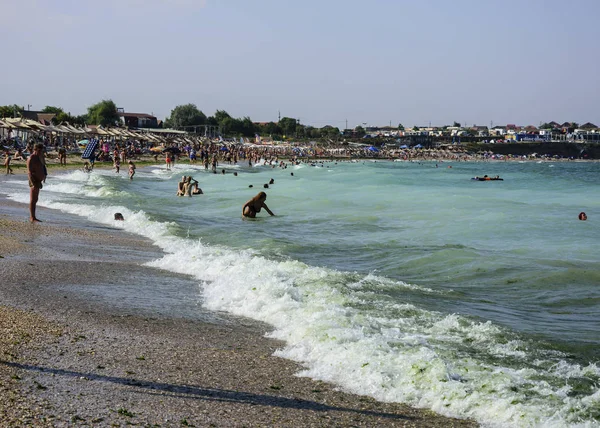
(180, 186)
(254, 205)
(582, 216)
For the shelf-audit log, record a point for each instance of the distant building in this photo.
(531, 129)
(138, 120)
(498, 131)
(39, 116)
(480, 130)
(588, 126)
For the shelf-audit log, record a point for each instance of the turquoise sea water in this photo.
(403, 281)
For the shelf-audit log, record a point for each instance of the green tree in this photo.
(416, 128)
(221, 115)
(270, 128)
(313, 132)
(186, 115)
(288, 126)
(400, 127)
(230, 126)
(456, 124)
(330, 132)
(52, 109)
(359, 131)
(11, 111)
(103, 113)
(66, 117)
(61, 116)
(248, 127)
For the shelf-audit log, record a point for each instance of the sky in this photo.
(326, 62)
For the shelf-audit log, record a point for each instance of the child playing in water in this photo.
(131, 170)
(7, 163)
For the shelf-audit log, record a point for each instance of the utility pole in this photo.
(346, 124)
(279, 116)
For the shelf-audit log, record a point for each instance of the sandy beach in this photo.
(84, 343)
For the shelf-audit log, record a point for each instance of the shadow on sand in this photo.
(195, 392)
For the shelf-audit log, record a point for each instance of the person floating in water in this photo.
(582, 216)
(486, 178)
(254, 205)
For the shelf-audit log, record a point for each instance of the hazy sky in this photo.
(323, 62)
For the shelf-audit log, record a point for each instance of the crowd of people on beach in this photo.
(213, 153)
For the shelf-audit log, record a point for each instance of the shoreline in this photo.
(71, 356)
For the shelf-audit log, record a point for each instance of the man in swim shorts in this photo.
(37, 174)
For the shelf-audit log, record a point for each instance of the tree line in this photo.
(187, 116)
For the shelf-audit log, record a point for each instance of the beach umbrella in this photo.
(174, 150)
(83, 143)
(156, 149)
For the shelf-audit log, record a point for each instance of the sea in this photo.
(404, 281)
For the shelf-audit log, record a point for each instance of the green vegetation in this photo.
(62, 116)
(185, 115)
(103, 113)
(10, 111)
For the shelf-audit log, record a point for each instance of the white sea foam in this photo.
(410, 360)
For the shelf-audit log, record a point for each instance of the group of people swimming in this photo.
(188, 186)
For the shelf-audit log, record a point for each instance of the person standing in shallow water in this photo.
(254, 205)
(37, 174)
(7, 163)
(131, 170)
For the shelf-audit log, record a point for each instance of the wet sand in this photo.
(88, 338)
